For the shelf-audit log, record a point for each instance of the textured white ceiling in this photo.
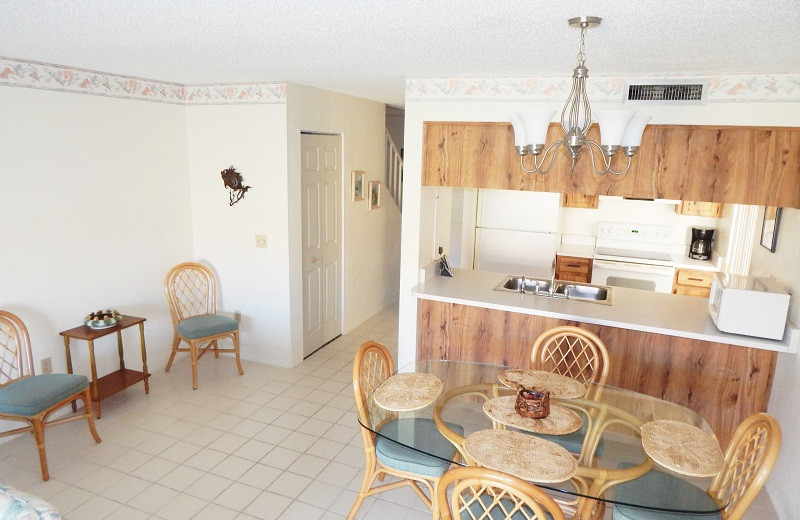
(368, 47)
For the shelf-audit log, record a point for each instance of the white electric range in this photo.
(636, 256)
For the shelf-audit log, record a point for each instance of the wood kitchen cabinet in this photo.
(691, 282)
(700, 209)
(575, 200)
(574, 269)
(732, 164)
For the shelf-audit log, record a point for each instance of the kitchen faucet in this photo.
(552, 277)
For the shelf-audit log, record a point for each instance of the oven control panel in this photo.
(637, 233)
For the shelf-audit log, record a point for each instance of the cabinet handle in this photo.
(695, 279)
(573, 265)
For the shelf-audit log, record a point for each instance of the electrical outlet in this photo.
(47, 365)
(261, 241)
(237, 315)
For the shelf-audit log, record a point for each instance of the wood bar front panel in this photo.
(735, 164)
(724, 383)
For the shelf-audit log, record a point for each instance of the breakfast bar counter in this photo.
(661, 345)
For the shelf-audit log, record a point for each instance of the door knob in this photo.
(313, 260)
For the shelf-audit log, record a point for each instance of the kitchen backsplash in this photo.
(577, 221)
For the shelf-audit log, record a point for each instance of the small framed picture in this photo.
(357, 185)
(374, 194)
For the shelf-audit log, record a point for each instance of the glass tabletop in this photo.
(608, 445)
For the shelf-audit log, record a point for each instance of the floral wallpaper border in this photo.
(721, 88)
(21, 73)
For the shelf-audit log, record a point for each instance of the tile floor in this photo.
(272, 444)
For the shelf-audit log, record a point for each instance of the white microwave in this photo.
(748, 305)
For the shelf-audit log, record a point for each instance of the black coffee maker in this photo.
(701, 243)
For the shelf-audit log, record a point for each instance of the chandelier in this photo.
(618, 128)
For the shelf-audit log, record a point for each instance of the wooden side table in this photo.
(118, 380)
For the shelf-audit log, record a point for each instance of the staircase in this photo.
(394, 171)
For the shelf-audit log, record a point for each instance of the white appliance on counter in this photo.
(636, 256)
(748, 305)
(516, 231)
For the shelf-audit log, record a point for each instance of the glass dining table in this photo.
(607, 444)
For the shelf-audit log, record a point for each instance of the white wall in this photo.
(253, 139)
(783, 266)
(371, 237)
(95, 207)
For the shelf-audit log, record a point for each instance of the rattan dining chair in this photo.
(485, 494)
(749, 459)
(373, 365)
(29, 398)
(192, 297)
(573, 352)
(581, 355)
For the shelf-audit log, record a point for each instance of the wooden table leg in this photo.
(120, 350)
(144, 359)
(95, 390)
(69, 368)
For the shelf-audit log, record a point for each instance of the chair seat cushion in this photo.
(423, 434)
(573, 442)
(659, 489)
(205, 325)
(31, 395)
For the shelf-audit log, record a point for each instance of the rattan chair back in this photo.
(572, 352)
(749, 460)
(191, 290)
(372, 366)
(16, 359)
(485, 494)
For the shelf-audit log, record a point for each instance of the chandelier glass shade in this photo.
(619, 129)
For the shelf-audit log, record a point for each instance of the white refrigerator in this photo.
(517, 231)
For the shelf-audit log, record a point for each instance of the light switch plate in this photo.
(261, 241)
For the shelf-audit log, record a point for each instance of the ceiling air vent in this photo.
(667, 92)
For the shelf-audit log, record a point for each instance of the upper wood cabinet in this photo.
(576, 200)
(700, 209)
(736, 164)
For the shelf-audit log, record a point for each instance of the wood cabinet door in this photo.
(735, 164)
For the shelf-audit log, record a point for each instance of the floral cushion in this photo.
(16, 505)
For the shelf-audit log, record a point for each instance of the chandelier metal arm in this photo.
(537, 166)
(606, 160)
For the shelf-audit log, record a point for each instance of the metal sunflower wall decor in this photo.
(235, 183)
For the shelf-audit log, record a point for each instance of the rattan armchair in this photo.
(373, 364)
(573, 352)
(29, 398)
(749, 460)
(192, 298)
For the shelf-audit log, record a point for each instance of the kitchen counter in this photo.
(668, 314)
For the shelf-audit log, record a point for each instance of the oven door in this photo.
(647, 277)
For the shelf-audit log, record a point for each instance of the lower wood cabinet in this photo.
(691, 282)
(574, 268)
(724, 383)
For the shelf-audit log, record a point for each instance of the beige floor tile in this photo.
(289, 484)
(153, 498)
(126, 488)
(216, 512)
(268, 506)
(182, 507)
(238, 496)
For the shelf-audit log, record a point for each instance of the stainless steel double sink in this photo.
(575, 291)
